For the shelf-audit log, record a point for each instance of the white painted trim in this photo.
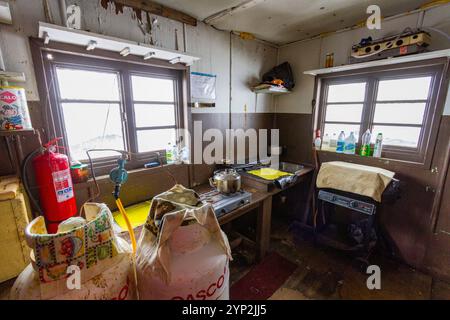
(82, 38)
(383, 62)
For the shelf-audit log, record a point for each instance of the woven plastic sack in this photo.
(104, 261)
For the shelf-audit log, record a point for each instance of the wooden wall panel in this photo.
(295, 136)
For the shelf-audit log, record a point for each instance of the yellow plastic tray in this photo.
(269, 173)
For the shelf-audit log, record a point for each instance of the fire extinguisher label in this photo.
(63, 185)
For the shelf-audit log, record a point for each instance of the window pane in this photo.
(151, 115)
(405, 113)
(349, 92)
(152, 89)
(404, 89)
(92, 126)
(344, 112)
(88, 85)
(331, 128)
(152, 140)
(398, 136)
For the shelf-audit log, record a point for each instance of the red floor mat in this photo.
(263, 279)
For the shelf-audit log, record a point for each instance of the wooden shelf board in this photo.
(80, 37)
(382, 62)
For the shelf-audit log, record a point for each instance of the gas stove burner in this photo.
(225, 203)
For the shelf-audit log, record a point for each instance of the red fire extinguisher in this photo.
(56, 194)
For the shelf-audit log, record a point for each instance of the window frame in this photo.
(75, 57)
(436, 68)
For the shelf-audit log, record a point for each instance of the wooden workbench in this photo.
(262, 202)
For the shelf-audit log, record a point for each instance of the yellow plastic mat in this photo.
(136, 213)
(269, 173)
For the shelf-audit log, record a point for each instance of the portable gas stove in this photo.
(223, 204)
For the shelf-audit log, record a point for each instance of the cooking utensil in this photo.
(226, 181)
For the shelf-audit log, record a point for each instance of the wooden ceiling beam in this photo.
(159, 10)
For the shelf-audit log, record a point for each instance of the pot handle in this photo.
(212, 183)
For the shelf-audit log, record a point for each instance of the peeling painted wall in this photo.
(250, 59)
(311, 54)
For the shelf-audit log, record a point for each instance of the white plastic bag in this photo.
(182, 252)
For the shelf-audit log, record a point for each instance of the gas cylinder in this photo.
(198, 266)
(56, 194)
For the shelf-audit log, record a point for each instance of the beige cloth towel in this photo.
(9, 185)
(363, 180)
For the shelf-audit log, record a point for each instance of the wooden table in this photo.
(262, 202)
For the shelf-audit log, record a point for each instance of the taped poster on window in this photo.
(203, 89)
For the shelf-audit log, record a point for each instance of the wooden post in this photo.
(263, 227)
(159, 10)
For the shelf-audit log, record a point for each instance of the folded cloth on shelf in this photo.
(359, 179)
(8, 187)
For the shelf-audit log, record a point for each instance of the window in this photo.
(154, 112)
(91, 112)
(344, 107)
(107, 104)
(398, 102)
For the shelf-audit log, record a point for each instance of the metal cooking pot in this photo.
(226, 181)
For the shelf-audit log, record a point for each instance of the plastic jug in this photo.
(340, 143)
(350, 144)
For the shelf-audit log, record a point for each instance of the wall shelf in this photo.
(90, 40)
(12, 76)
(275, 90)
(384, 62)
(8, 133)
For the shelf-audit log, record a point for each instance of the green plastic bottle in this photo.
(364, 151)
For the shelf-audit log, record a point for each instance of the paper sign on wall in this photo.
(203, 89)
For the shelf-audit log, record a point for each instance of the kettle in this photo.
(226, 181)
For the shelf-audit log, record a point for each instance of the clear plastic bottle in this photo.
(365, 144)
(326, 142)
(350, 144)
(333, 142)
(317, 140)
(378, 146)
(340, 143)
(169, 153)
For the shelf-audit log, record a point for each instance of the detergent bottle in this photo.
(340, 143)
(350, 144)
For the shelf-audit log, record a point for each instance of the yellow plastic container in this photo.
(14, 252)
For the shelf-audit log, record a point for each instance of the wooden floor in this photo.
(326, 274)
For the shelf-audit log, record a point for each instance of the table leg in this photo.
(263, 227)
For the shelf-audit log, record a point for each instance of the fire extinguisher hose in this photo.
(127, 221)
(26, 182)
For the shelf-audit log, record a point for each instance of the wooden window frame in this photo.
(437, 68)
(75, 57)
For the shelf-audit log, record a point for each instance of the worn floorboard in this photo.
(327, 274)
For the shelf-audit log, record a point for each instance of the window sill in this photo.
(370, 161)
(105, 178)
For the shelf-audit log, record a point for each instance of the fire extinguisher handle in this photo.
(53, 142)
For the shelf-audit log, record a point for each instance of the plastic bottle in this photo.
(378, 146)
(318, 140)
(350, 144)
(365, 144)
(340, 143)
(326, 142)
(333, 142)
(169, 153)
